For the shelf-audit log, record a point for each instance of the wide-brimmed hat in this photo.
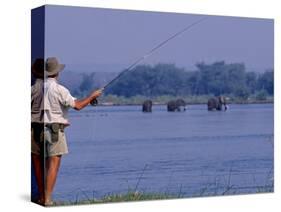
(52, 67)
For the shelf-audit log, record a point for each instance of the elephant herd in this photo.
(214, 103)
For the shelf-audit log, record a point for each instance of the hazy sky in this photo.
(99, 39)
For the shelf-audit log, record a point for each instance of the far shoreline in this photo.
(188, 103)
(113, 100)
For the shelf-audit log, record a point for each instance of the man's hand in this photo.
(80, 104)
(97, 93)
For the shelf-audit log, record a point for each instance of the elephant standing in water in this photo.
(217, 103)
(147, 106)
(176, 105)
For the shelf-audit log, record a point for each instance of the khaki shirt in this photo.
(50, 102)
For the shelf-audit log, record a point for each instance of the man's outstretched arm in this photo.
(81, 103)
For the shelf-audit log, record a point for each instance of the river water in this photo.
(116, 149)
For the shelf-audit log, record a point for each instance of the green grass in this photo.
(208, 190)
(140, 196)
(127, 197)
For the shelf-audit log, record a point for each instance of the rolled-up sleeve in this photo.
(66, 99)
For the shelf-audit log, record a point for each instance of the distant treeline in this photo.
(217, 78)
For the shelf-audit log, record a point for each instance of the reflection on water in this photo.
(197, 152)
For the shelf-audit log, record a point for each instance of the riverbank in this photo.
(112, 100)
(114, 198)
(141, 196)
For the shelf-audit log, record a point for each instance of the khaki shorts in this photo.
(50, 148)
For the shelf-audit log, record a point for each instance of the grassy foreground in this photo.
(127, 197)
(131, 196)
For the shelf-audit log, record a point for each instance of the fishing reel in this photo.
(94, 102)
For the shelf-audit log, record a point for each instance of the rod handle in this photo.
(95, 101)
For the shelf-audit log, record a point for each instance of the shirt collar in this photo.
(51, 80)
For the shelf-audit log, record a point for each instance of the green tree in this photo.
(86, 84)
(216, 78)
(242, 92)
(266, 82)
(261, 95)
(251, 81)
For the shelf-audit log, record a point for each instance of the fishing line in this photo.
(148, 54)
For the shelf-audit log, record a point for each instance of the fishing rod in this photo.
(149, 53)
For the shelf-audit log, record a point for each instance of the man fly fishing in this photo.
(50, 103)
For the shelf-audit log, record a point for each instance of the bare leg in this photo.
(39, 175)
(52, 167)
